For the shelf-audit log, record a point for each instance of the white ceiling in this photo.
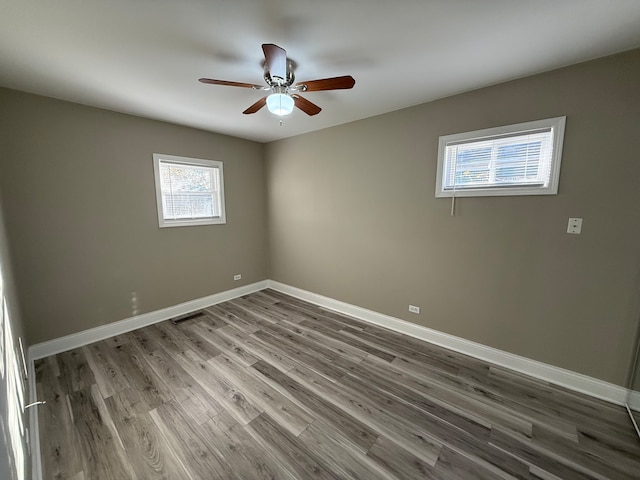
(144, 57)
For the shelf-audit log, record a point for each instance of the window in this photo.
(521, 159)
(189, 191)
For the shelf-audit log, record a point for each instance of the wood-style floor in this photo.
(270, 387)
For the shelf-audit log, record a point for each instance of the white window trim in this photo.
(157, 158)
(556, 123)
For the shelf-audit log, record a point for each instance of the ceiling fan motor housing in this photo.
(275, 81)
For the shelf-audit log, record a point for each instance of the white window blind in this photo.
(189, 191)
(522, 159)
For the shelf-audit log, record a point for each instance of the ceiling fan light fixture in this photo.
(280, 104)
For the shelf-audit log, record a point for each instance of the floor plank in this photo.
(288, 414)
(357, 432)
(149, 454)
(243, 454)
(188, 444)
(297, 457)
(101, 447)
(60, 454)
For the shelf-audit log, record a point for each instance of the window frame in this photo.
(557, 126)
(194, 162)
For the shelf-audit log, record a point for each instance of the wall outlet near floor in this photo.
(237, 277)
(414, 309)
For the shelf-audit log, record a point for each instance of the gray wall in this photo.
(78, 190)
(352, 215)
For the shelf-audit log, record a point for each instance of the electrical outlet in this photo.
(414, 309)
(237, 277)
(574, 226)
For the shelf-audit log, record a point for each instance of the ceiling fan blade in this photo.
(305, 105)
(231, 84)
(335, 83)
(276, 58)
(256, 106)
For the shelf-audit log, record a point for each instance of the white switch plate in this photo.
(414, 309)
(574, 226)
(237, 277)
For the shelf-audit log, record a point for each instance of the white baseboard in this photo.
(634, 401)
(556, 375)
(34, 428)
(85, 337)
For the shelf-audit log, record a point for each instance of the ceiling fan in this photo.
(284, 94)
